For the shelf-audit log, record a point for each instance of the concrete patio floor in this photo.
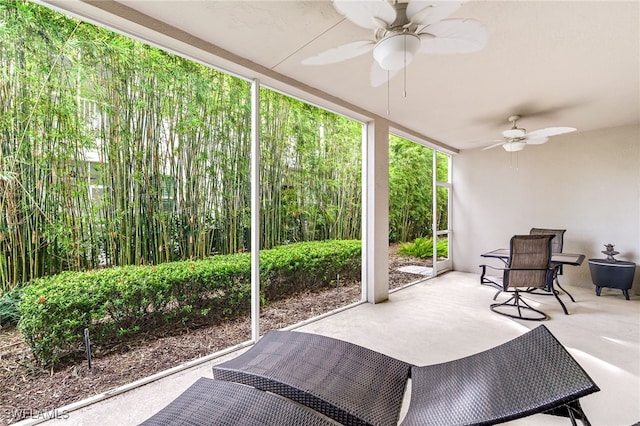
(440, 320)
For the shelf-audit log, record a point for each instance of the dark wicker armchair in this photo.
(529, 267)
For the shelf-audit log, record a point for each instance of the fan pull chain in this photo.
(511, 161)
(405, 81)
(404, 69)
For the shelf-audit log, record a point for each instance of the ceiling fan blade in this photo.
(340, 53)
(453, 36)
(550, 131)
(494, 145)
(379, 76)
(421, 17)
(537, 140)
(423, 13)
(366, 14)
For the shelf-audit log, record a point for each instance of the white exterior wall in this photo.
(585, 182)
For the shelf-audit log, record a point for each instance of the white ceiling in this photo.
(556, 63)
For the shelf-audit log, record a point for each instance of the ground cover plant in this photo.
(422, 247)
(9, 313)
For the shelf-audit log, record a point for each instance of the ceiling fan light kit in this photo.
(516, 138)
(396, 51)
(514, 146)
(402, 29)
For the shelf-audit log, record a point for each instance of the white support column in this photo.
(434, 209)
(255, 210)
(375, 234)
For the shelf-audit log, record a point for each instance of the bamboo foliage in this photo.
(311, 173)
(176, 141)
(116, 153)
(36, 176)
(411, 208)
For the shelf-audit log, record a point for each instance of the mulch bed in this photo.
(28, 390)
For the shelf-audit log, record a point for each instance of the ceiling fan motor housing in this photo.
(514, 133)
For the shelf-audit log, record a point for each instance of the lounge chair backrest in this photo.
(346, 382)
(530, 374)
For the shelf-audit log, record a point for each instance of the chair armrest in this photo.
(491, 279)
(492, 267)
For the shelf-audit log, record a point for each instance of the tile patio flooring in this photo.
(440, 320)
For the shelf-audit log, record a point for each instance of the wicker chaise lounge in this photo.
(351, 384)
(528, 375)
(210, 402)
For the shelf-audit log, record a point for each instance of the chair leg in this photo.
(549, 292)
(561, 288)
(553, 292)
(564, 308)
(573, 411)
(521, 306)
(496, 295)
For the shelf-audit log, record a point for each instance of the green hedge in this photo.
(117, 303)
(312, 265)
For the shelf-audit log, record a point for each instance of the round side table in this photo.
(618, 274)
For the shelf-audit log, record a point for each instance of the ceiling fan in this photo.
(400, 30)
(516, 138)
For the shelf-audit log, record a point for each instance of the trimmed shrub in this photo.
(118, 303)
(295, 267)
